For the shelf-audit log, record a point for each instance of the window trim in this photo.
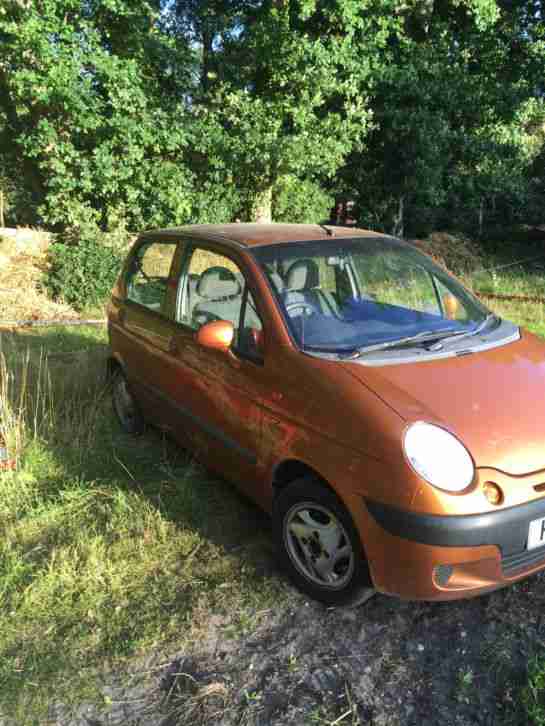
(257, 358)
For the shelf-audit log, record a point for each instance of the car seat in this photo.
(219, 293)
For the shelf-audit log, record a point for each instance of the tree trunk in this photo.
(399, 224)
(481, 217)
(262, 208)
(2, 221)
(207, 57)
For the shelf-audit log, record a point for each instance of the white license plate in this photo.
(536, 533)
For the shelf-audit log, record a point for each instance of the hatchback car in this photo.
(392, 426)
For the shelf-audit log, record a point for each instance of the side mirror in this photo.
(217, 334)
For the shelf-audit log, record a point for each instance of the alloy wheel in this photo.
(318, 545)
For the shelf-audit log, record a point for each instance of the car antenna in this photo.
(327, 230)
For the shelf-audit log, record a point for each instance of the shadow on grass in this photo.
(110, 544)
(151, 465)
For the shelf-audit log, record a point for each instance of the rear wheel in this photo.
(125, 407)
(319, 545)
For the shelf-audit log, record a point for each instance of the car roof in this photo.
(251, 235)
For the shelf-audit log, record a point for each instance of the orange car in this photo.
(392, 425)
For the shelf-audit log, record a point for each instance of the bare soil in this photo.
(386, 663)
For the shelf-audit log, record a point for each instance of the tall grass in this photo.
(109, 546)
(533, 695)
(513, 281)
(46, 398)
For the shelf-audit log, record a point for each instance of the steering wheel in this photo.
(202, 317)
(307, 308)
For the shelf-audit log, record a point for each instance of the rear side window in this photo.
(149, 270)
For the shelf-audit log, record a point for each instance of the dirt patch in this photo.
(387, 663)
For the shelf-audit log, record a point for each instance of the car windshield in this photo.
(344, 295)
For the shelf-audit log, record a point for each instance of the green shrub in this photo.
(533, 695)
(300, 200)
(82, 272)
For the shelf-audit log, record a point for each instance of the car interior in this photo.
(218, 293)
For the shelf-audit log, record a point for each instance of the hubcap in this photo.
(124, 405)
(318, 545)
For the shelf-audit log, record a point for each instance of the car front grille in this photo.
(523, 561)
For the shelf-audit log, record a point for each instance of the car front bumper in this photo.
(439, 557)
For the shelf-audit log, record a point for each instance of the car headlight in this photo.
(438, 457)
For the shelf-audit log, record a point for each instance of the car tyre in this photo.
(319, 546)
(125, 406)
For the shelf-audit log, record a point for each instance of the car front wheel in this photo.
(319, 545)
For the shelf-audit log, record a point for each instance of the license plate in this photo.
(536, 533)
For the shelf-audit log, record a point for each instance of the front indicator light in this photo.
(438, 457)
(493, 493)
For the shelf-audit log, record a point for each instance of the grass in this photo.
(519, 280)
(112, 547)
(533, 695)
(109, 546)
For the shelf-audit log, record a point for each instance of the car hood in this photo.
(494, 400)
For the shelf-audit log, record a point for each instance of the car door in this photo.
(145, 324)
(221, 399)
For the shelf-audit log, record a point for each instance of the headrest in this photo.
(218, 282)
(302, 275)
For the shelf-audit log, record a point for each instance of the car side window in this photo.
(212, 288)
(148, 274)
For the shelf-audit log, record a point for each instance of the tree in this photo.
(449, 97)
(86, 116)
(293, 106)
(208, 25)
(160, 112)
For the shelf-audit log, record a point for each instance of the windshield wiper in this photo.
(421, 337)
(467, 333)
(442, 334)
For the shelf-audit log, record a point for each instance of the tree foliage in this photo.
(162, 112)
(85, 113)
(453, 104)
